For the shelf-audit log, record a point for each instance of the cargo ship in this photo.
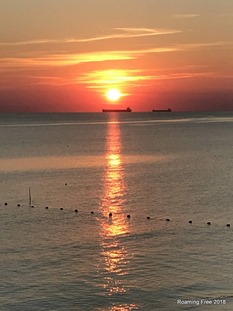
(128, 109)
(162, 110)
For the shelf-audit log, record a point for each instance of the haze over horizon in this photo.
(65, 55)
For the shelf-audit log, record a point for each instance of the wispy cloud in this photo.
(133, 33)
(192, 46)
(63, 59)
(51, 80)
(186, 16)
(122, 33)
(225, 14)
(122, 78)
(75, 59)
(31, 42)
(104, 78)
(184, 75)
(66, 59)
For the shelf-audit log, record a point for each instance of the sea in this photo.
(116, 211)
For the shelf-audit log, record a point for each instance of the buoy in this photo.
(208, 223)
(190, 221)
(61, 209)
(92, 212)
(46, 207)
(5, 203)
(110, 214)
(32, 206)
(228, 225)
(76, 211)
(66, 184)
(18, 204)
(148, 217)
(128, 216)
(168, 219)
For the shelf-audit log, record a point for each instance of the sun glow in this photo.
(113, 95)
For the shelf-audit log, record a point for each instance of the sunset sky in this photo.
(65, 55)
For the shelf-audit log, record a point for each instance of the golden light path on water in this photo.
(115, 256)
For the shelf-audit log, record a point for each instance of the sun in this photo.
(113, 95)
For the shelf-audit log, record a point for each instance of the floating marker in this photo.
(46, 207)
(128, 216)
(110, 214)
(168, 219)
(18, 205)
(61, 209)
(208, 223)
(66, 184)
(228, 225)
(148, 217)
(92, 212)
(190, 221)
(5, 203)
(76, 211)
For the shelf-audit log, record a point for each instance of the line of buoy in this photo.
(110, 214)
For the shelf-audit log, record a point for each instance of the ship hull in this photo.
(162, 110)
(117, 110)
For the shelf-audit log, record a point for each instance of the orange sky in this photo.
(64, 55)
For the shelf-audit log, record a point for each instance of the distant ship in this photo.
(128, 109)
(162, 110)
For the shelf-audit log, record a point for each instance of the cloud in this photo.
(186, 16)
(31, 42)
(184, 75)
(66, 59)
(191, 46)
(103, 79)
(225, 14)
(63, 59)
(75, 59)
(122, 33)
(50, 81)
(133, 33)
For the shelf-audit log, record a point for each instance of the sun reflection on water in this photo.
(115, 255)
(121, 307)
(114, 184)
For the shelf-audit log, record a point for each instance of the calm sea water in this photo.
(168, 165)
